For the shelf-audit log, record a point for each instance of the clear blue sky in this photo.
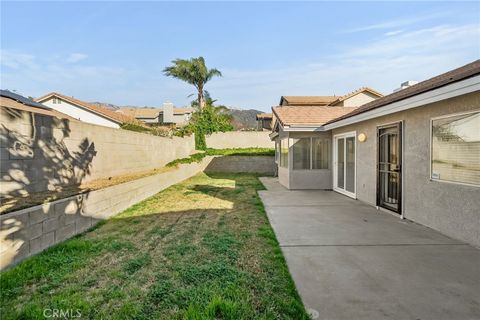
(115, 51)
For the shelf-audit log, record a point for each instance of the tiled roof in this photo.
(101, 111)
(353, 93)
(307, 100)
(308, 115)
(467, 71)
(151, 112)
(264, 115)
(324, 100)
(140, 112)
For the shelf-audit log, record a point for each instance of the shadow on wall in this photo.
(35, 156)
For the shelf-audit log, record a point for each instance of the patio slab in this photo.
(351, 261)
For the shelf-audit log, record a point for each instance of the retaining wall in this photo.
(40, 152)
(239, 139)
(26, 232)
(243, 164)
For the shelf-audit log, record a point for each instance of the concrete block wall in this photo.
(40, 152)
(26, 232)
(239, 139)
(264, 165)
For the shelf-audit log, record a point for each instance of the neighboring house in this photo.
(165, 115)
(15, 101)
(264, 121)
(415, 152)
(352, 99)
(84, 111)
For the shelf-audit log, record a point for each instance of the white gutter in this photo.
(446, 92)
(303, 128)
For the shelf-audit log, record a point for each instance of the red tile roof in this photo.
(308, 115)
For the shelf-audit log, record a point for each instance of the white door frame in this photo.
(335, 163)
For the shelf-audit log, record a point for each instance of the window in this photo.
(54, 101)
(311, 153)
(284, 153)
(301, 153)
(320, 153)
(456, 148)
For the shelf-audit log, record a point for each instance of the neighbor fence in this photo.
(40, 152)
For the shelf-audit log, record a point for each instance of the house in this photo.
(414, 153)
(15, 101)
(168, 114)
(84, 111)
(264, 121)
(352, 99)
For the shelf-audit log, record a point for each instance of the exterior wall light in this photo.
(362, 137)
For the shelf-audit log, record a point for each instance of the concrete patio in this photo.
(351, 261)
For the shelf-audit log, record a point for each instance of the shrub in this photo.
(206, 121)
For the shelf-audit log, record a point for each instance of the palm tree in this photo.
(193, 71)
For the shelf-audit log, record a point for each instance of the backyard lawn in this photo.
(201, 249)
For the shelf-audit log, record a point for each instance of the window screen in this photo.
(456, 148)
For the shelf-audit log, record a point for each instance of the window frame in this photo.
(295, 140)
(311, 153)
(431, 148)
(281, 163)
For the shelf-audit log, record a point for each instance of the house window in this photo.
(320, 153)
(311, 153)
(284, 153)
(54, 101)
(301, 153)
(456, 148)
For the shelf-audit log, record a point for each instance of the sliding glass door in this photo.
(344, 163)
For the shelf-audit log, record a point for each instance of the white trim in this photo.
(335, 162)
(446, 92)
(445, 116)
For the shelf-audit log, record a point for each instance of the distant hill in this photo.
(244, 119)
(241, 119)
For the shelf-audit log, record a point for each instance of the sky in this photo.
(115, 51)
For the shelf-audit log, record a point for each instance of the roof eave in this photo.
(448, 91)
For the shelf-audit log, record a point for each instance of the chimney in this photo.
(406, 84)
(168, 112)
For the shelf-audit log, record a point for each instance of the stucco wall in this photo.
(80, 114)
(452, 209)
(359, 99)
(42, 153)
(240, 139)
(26, 232)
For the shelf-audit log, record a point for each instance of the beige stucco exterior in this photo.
(451, 208)
(358, 99)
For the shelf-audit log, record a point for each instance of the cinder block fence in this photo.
(26, 232)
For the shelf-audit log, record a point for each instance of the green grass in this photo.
(202, 249)
(197, 157)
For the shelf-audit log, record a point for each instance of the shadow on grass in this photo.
(202, 249)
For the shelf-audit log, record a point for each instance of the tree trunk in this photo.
(201, 98)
